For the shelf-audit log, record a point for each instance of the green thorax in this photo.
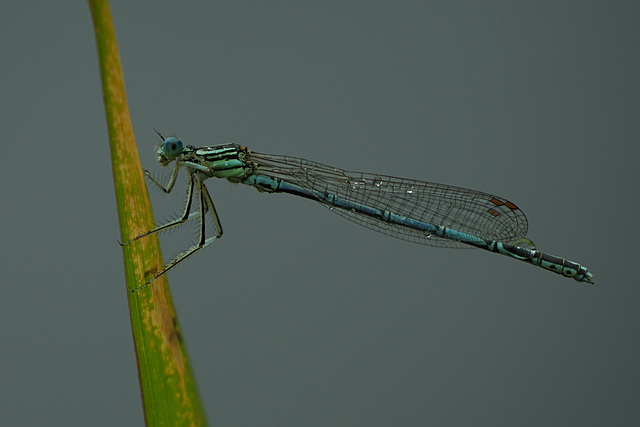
(230, 161)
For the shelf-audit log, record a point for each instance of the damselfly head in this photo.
(171, 148)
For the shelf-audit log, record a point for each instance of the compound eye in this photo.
(172, 147)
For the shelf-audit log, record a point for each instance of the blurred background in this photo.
(297, 316)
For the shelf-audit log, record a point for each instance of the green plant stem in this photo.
(167, 385)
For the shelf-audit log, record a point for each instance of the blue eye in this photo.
(172, 147)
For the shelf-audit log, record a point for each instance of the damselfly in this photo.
(416, 211)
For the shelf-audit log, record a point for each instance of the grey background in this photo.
(296, 316)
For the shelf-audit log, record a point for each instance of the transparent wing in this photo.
(480, 214)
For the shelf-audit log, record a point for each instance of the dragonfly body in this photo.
(416, 211)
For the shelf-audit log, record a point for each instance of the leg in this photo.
(185, 216)
(206, 204)
(171, 182)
